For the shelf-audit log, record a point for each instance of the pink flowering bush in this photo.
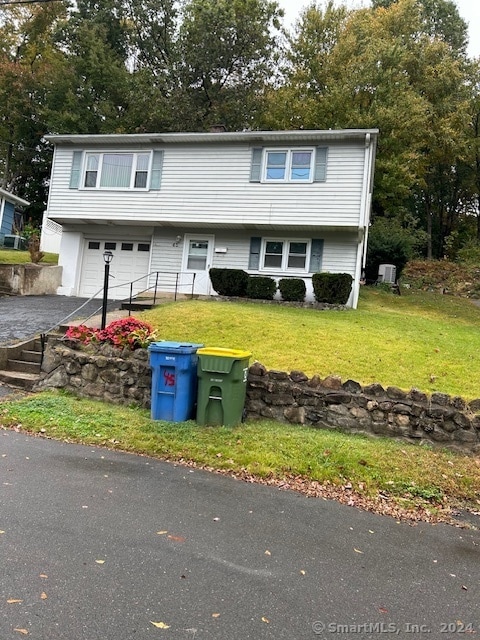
(125, 333)
(82, 332)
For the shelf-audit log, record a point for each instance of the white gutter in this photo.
(15, 199)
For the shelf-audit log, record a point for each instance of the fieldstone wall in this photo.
(329, 403)
(120, 377)
(124, 377)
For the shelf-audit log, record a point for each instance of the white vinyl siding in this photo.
(210, 185)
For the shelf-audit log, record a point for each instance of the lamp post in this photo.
(107, 257)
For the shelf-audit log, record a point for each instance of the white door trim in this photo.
(202, 279)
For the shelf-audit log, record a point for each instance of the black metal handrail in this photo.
(177, 274)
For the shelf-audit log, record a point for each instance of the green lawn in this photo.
(13, 256)
(402, 341)
(422, 340)
(377, 473)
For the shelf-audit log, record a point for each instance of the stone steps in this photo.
(22, 364)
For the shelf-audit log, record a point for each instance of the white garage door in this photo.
(130, 263)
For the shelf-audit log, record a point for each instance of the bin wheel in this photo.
(244, 415)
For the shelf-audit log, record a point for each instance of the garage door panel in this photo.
(130, 262)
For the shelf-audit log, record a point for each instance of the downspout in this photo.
(364, 221)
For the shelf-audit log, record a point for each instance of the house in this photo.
(10, 217)
(172, 205)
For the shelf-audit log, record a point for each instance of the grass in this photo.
(401, 341)
(422, 340)
(13, 256)
(263, 450)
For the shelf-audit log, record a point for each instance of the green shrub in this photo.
(388, 243)
(292, 289)
(332, 288)
(229, 282)
(261, 288)
(469, 253)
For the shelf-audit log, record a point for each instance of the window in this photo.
(293, 165)
(297, 165)
(197, 254)
(116, 170)
(285, 255)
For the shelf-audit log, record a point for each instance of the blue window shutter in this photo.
(75, 172)
(157, 166)
(256, 166)
(316, 255)
(321, 164)
(254, 258)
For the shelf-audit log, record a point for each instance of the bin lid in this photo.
(166, 346)
(237, 354)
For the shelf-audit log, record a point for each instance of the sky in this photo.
(468, 9)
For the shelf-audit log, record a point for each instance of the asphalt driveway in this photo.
(23, 317)
(104, 545)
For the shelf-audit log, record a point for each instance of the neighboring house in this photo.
(10, 215)
(277, 203)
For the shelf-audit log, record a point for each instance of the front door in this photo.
(197, 260)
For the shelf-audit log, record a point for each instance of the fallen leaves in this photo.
(266, 620)
(14, 601)
(215, 615)
(160, 625)
(161, 533)
(100, 561)
(43, 596)
(24, 632)
(176, 538)
(357, 550)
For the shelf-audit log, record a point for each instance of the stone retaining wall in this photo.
(120, 377)
(125, 378)
(294, 398)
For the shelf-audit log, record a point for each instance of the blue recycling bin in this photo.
(174, 380)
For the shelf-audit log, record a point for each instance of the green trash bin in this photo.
(222, 385)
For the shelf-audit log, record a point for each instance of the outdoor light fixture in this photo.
(107, 257)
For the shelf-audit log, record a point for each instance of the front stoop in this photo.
(21, 364)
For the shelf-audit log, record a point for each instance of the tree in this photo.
(28, 67)
(224, 81)
(383, 68)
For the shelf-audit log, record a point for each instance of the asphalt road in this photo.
(96, 544)
(23, 317)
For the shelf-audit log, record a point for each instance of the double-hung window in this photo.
(285, 255)
(289, 165)
(116, 170)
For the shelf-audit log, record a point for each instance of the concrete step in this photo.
(23, 366)
(31, 356)
(138, 304)
(18, 379)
